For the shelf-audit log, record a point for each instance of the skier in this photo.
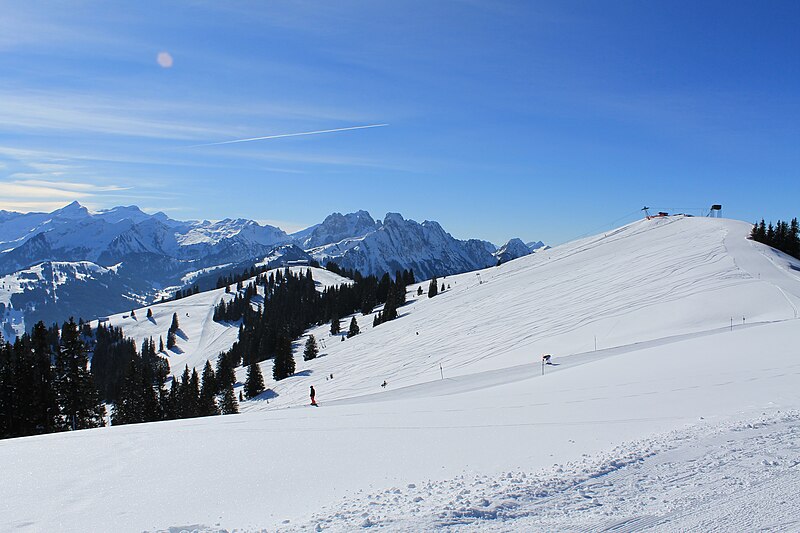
(383, 384)
(313, 393)
(546, 359)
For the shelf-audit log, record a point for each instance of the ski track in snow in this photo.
(736, 476)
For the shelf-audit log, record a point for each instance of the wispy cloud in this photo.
(53, 111)
(44, 111)
(23, 190)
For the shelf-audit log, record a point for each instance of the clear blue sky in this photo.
(543, 120)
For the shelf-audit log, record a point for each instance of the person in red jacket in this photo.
(313, 394)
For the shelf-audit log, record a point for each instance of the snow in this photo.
(17, 282)
(199, 338)
(681, 419)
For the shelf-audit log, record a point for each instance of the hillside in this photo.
(199, 338)
(674, 386)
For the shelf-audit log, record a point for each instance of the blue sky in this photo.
(543, 120)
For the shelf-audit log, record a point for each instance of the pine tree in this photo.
(172, 405)
(419, 290)
(160, 344)
(229, 406)
(149, 313)
(353, 330)
(283, 366)
(433, 288)
(42, 394)
(335, 325)
(225, 373)
(137, 400)
(390, 307)
(208, 391)
(310, 352)
(171, 339)
(77, 396)
(6, 390)
(193, 395)
(254, 384)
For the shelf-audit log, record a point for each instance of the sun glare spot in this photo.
(164, 59)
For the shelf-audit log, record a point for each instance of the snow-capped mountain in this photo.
(53, 291)
(397, 244)
(536, 245)
(337, 227)
(74, 234)
(113, 259)
(513, 249)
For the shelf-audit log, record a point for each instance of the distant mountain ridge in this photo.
(109, 260)
(398, 244)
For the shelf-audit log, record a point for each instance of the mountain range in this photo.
(73, 262)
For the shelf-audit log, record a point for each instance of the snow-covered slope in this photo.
(398, 244)
(54, 291)
(199, 338)
(689, 396)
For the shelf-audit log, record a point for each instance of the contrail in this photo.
(289, 135)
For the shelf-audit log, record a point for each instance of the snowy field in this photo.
(673, 405)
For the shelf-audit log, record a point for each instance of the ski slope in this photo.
(685, 416)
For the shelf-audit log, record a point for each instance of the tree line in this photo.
(292, 304)
(782, 236)
(47, 385)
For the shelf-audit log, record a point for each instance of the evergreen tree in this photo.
(77, 396)
(335, 325)
(208, 390)
(42, 395)
(149, 313)
(225, 372)
(283, 366)
(172, 405)
(171, 339)
(229, 406)
(390, 307)
(433, 288)
(6, 390)
(254, 384)
(160, 344)
(310, 352)
(419, 290)
(782, 236)
(353, 330)
(137, 400)
(193, 395)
